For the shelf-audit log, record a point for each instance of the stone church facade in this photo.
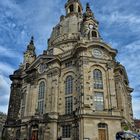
(75, 90)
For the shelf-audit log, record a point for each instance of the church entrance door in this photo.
(102, 134)
(35, 135)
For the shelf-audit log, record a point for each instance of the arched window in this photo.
(68, 95)
(97, 77)
(79, 9)
(71, 8)
(69, 85)
(41, 95)
(94, 34)
(103, 131)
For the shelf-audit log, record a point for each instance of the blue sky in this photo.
(20, 19)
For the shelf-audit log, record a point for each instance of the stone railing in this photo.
(63, 38)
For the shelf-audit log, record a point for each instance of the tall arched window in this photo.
(71, 8)
(79, 9)
(94, 34)
(98, 80)
(41, 95)
(68, 95)
(69, 85)
(103, 131)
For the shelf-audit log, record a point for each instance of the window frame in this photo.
(99, 101)
(94, 33)
(69, 85)
(71, 8)
(97, 79)
(41, 96)
(66, 131)
(68, 105)
(103, 126)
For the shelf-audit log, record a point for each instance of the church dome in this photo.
(74, 26)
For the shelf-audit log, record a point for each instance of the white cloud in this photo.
(4, 92)
(125, 18)
(129, 20)
(136, 108)
(4, 108)
(10, 4)
(6, 69)
(4, 84)
(4, 52)
(133, 47)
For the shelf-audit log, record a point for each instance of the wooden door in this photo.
(102, 134)
(35, 135)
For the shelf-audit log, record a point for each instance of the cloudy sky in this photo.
(20, 19)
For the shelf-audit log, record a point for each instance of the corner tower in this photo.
(29, 55)
(89, 25)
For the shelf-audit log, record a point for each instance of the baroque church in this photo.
(75, 90)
